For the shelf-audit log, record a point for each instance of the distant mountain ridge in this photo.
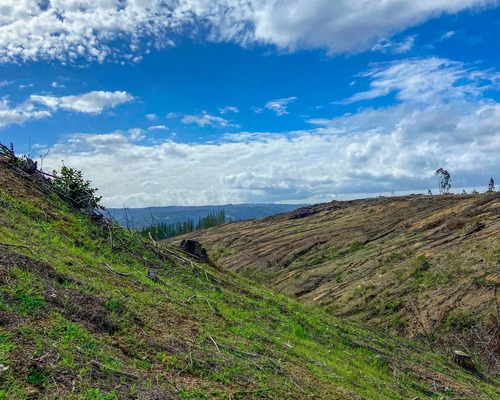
(139, 218)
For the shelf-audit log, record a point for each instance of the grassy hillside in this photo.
(422, 266)
(81, 319)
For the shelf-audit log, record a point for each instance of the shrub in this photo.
(70, 186)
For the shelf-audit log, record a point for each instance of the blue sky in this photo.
(193, 102)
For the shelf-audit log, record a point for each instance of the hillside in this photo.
(89, 310)
(421, 266)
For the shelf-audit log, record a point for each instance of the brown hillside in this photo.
(414, 264)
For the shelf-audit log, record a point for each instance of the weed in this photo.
(420, 265)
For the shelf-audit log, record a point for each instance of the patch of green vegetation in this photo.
(459, 320)
(96, 394)
(392, 258)
(353, 247)
(419, 266)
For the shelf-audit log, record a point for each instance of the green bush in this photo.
(70, 186)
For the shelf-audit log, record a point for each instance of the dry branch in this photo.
(17, 245)
(112, 370)
(123, 274)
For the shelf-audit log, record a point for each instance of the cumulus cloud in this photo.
(19, 114)
(279, 105)
(42, 106)
(396, 148)
(91, 103)
(151, 117)
(205, 119)
(97, 30)
(425, 80)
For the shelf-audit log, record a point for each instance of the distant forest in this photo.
(164, 231)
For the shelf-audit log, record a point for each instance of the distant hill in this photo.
(142, 217)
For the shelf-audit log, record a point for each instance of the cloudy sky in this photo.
(191, 102)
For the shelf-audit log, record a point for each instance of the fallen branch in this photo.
(123, 274)
(112, 370)
(151, 237)
(496, 304)
(295, 383)
(214, 342)
(17, 245)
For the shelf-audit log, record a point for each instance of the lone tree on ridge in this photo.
(444, 180)
(491, 186)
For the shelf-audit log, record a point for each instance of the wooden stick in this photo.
(114, 371)
(215, 344)
(18, 245)
(115, 272)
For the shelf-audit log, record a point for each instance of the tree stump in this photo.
(463, 360)
(152, 275)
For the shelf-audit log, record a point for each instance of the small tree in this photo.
(491, 186)
(444, 180)
(70, 186)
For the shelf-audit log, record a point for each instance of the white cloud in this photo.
(385, 45)
(70, 29)
(57, 85)
(5, 83)
(340, 26)
(397, 148)
(172, 115)
(279, 105)
(91, 103)
(136, 134)
(425, 80)
(205, 119)
(29, 85)
(157, 128)
(41, 106)
(19, 114)
(227, 109)
(448, 35)
(151, 117)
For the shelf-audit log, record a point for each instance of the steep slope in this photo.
(418, 265)
(92, 311)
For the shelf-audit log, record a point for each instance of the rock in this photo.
(463, 360)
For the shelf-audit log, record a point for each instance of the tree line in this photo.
(163, 230)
